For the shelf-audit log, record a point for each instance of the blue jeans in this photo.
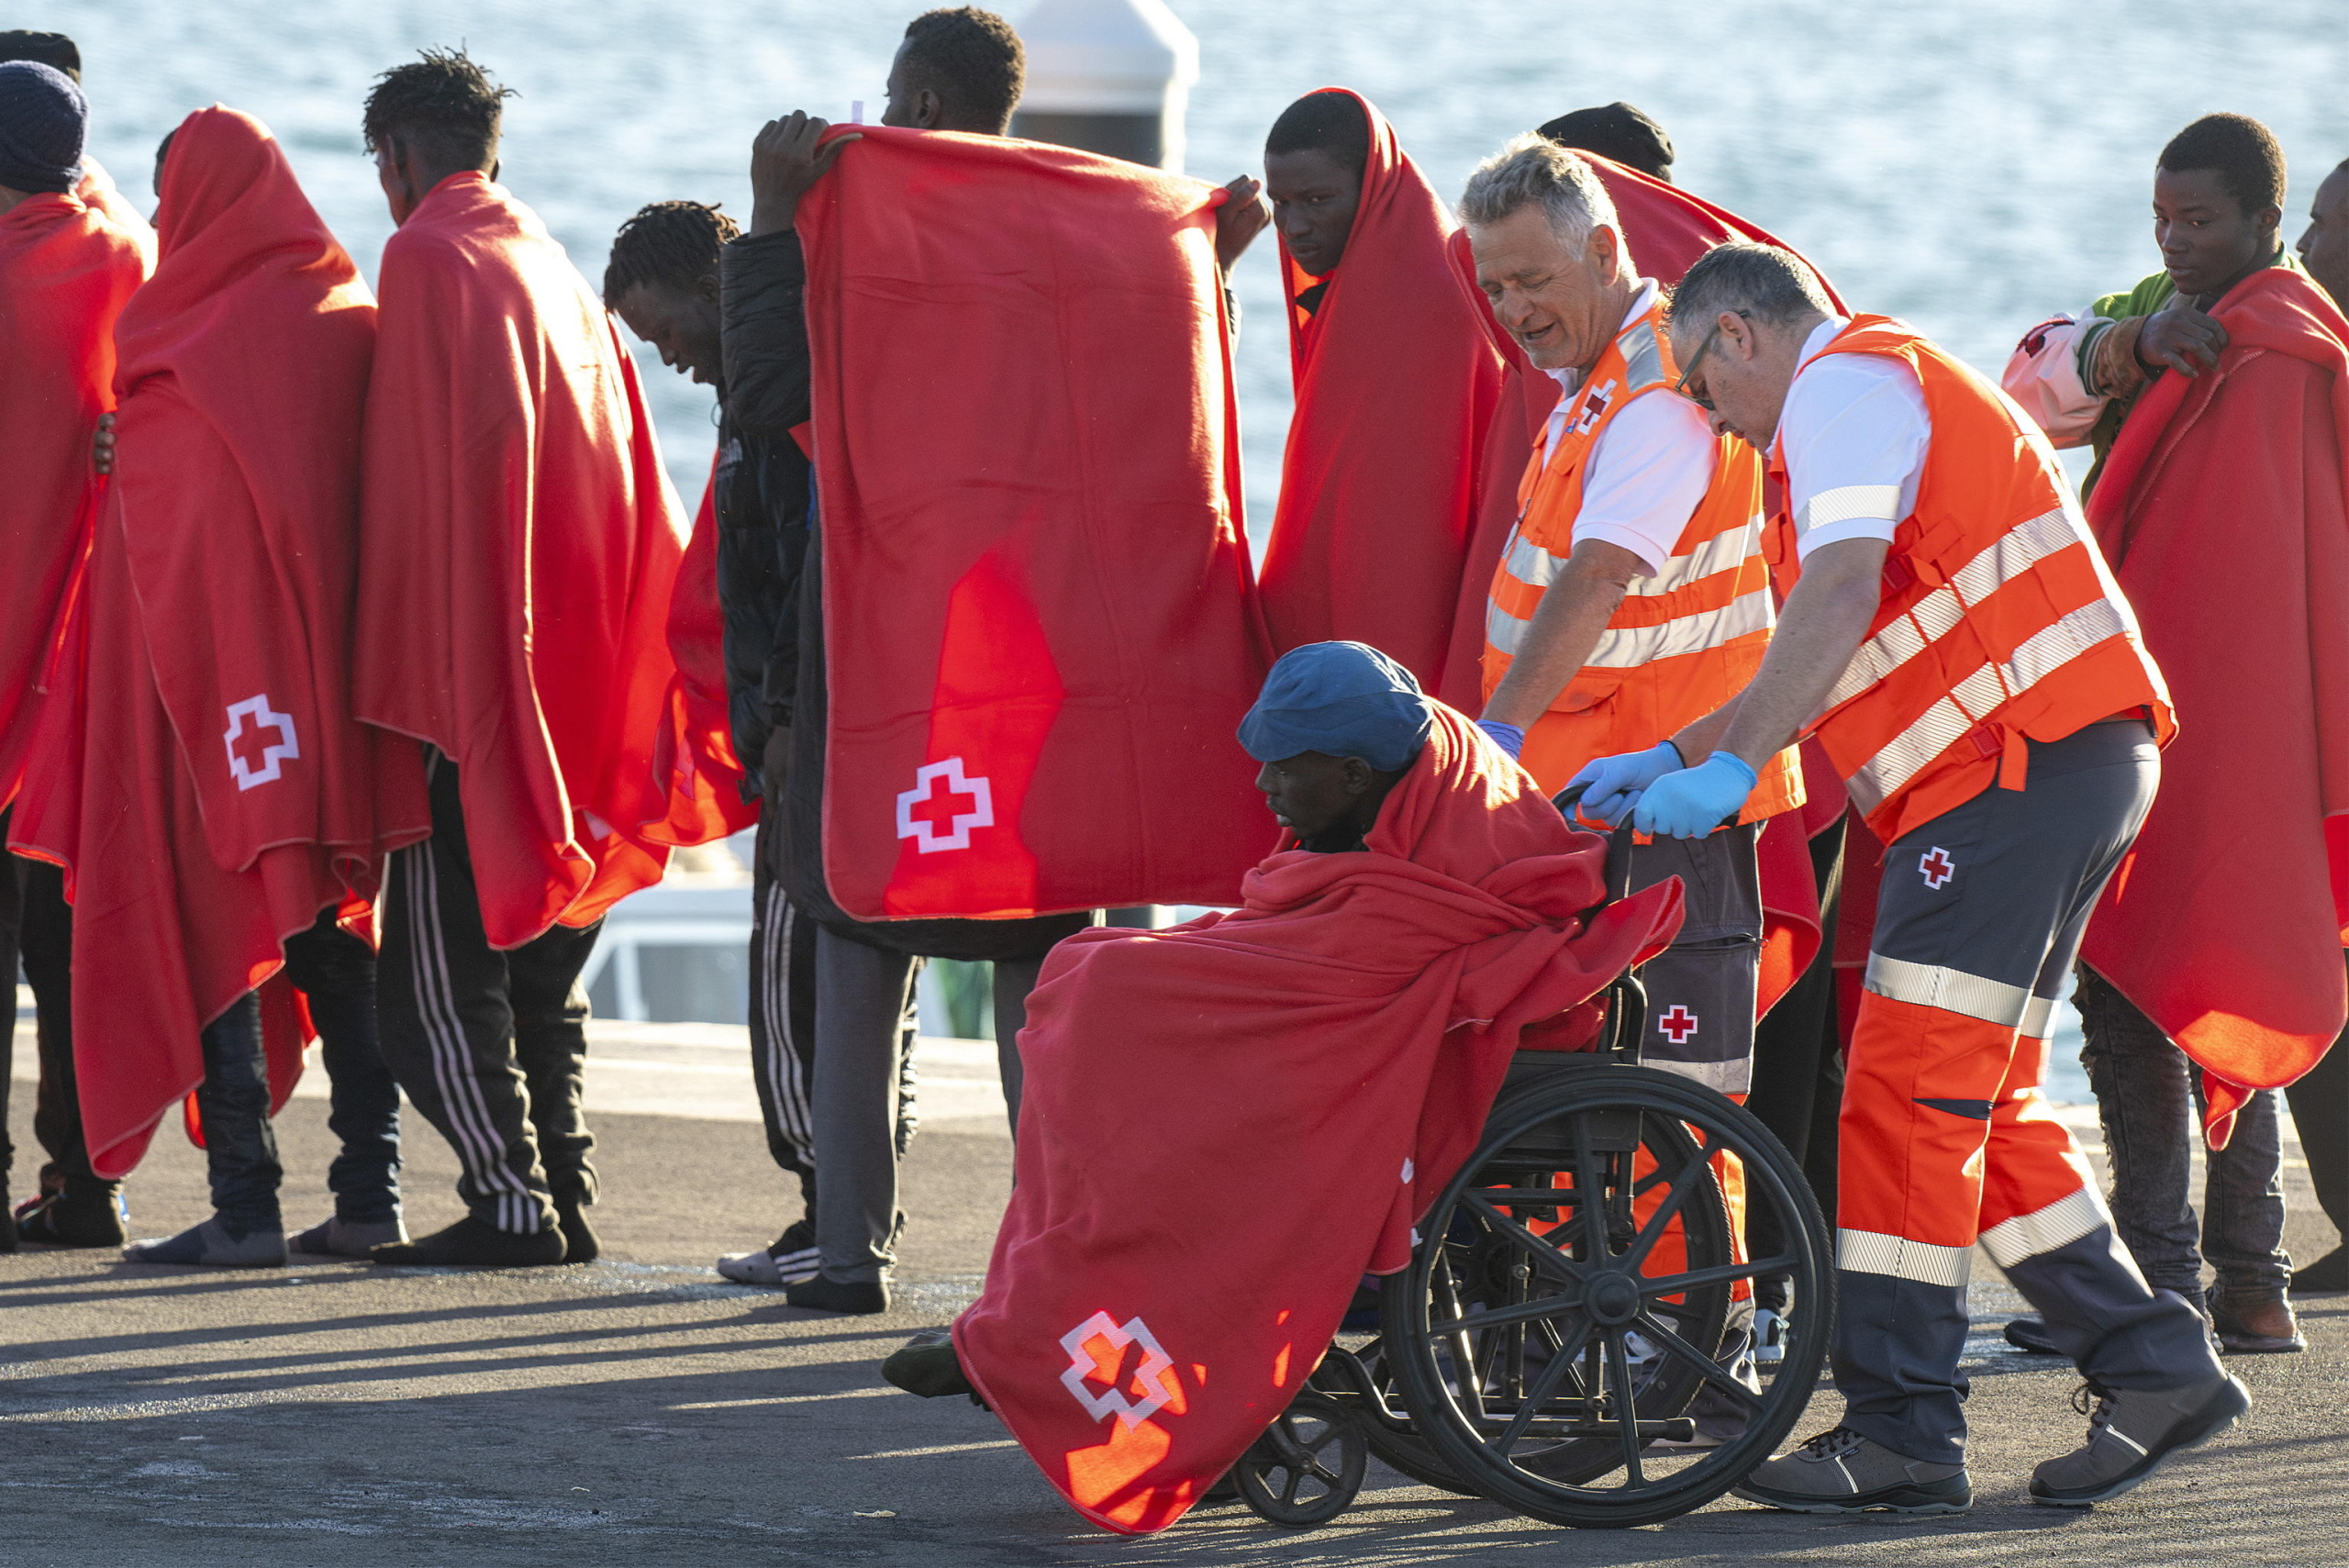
(336, 971)
(2149, 1096)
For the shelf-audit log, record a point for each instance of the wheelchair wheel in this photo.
(1307, 1465)
(1544, 1337)
(1363, 1382)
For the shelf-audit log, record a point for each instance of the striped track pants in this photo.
(490, 1046)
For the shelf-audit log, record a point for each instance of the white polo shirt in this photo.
(1649, 468)
(1853, 436)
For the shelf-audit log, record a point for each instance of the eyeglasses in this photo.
(1702, 400)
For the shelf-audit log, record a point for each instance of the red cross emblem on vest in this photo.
(926, 813)
(1593, 406)
(1679, 1023)
(1937, 866)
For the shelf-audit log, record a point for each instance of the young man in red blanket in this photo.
(1426, 912)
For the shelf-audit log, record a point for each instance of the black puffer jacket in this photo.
(762, 279)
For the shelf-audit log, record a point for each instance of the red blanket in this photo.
(204, 784)
(2224, 511)
(693, 753)
(64, 272)
(1396, 385)
(518, 543)
(1212, 1115)
(1037, 616)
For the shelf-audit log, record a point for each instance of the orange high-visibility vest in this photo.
(1683, 642)
(1999, 618)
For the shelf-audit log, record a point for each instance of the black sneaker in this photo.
(473, 1243)
(2029, 1335)
(580, 1244)
(90, 1217)
(927, 1365)
(2131, 1432)
(858, 1298)
(1840, 1472)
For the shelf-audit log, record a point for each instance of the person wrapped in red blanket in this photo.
(1396, 383)
(1338, 1041)
(520, 544)
(200, 778)
(65, 270)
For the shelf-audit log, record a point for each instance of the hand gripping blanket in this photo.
(65, 270)
(204, 784)
(2224, 510)
(519, 541)
(1226, 1124)
(1038, 627)
(1396, 383)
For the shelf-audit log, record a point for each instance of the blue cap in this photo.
(1343, 699)
(42, 118)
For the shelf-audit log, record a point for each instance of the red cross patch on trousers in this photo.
(1937, 866)
(1679, 1023)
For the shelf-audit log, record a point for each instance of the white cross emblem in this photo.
(286, 746)
(924, 830)
(1150, 1376)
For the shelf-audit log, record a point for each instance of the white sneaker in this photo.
(1770, 1332)
(791, 1260)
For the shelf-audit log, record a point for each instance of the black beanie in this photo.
(42, 118)
(1617, 131)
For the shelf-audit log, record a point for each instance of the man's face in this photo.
(681, 323)
(908, 106)
(1311, 793)
(1314, 197)
(1737, 372)
(398, 181)
(1561, 305)
(2206, 237)
(2324, 248)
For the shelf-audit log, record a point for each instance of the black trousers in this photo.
(490, 1046)
(1799, 1068)
(2320, 1104)
(36, 928)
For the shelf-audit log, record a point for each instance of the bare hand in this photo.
(102, 445)
(1241, 217)
(786, 161)
(2181, 337)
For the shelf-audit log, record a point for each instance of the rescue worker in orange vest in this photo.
(1633, 597)
(1955, 641)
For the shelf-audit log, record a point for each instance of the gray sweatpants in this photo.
(861, 997)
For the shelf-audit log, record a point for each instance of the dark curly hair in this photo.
(676, 244)
(971, 59)
(2246, 155)
(441, 104)
(1327, 122)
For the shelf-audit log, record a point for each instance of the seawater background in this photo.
(1971, 166)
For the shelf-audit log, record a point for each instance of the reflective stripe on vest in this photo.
(1999, 618)
(1684, 640)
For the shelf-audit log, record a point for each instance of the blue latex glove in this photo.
(1615, 783)
(1507, 737)
(1693, 802)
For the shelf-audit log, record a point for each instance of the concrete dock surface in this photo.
(641, 1410)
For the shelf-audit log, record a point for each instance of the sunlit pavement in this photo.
(641, 1410)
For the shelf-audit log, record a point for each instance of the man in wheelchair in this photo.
(1229, 1123)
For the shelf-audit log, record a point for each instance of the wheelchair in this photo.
(1568, 1302)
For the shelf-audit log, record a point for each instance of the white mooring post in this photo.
(1109, 76)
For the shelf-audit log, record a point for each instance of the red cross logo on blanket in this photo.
(1678, 1022)
(1097, 1355)
(926, 812)
(1937, 866)
(258, 764)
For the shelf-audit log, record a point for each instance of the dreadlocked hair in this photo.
(442, 105)
(672, 243)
